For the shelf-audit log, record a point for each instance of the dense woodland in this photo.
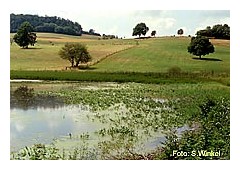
(48, 24)
(218, 31)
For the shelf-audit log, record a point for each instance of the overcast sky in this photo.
(121, 22)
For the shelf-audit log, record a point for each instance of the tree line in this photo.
(218, 31)
(46, 24)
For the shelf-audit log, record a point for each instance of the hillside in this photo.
(44, 55)
(123, 55)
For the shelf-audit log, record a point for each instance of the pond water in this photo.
(43, 125)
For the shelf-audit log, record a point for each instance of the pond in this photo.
(107, 114)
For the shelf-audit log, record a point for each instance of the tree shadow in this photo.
(87, 68)
(31, 48)
(206, 59)
(81, 68)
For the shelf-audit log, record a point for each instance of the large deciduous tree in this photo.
(25, 36)
(140, 29)
(75, 53)
(200, 46)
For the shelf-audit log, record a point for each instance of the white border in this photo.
(123, 4)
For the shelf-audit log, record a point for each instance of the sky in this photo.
(121, 22)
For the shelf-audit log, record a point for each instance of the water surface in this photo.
(43, 125)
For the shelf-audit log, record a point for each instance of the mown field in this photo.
(147, 55)
(44, 55)
(162, 54)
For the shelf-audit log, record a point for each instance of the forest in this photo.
(46, 24)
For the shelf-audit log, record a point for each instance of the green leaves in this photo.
(37, 152)
(75, 53)
(140, 29)
(24, 36)
(200, 46)
(211, 134)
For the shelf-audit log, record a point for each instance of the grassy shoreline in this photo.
(138, 77)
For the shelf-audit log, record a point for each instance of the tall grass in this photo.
(147, 77)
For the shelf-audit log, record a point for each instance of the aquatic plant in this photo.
(133, 113)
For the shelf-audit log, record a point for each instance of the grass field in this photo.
(161, 54)
(151, 55)
(44, 55)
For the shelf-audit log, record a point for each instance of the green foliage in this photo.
(37, 152)
(200, 46)
(210, 132)
(140, 29)
(217, 31)
(153, 33)
(75, 53)
(132, 113)
(180, 32)
(46, 24)
(24, 36)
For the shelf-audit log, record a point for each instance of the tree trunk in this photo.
(77, 63)
(200, 57)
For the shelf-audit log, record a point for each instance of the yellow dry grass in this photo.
(220, 42)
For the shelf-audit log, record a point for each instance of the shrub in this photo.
(212, 133)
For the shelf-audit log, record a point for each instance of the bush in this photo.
(211, 133)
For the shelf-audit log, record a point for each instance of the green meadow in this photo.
(144, 55)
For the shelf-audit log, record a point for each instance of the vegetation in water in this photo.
(133, 114)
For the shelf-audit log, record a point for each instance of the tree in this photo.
(217, 31)
(75, 53)
(180, 32)
(140, 29)
(153, 33)
(91, 31)
(24, 36)
(45, 24)
(200, 46)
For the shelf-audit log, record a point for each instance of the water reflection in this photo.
(24, 98)
(42, 125)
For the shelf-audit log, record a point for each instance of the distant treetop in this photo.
(180, 31)
(140, 29)
(45, 24)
